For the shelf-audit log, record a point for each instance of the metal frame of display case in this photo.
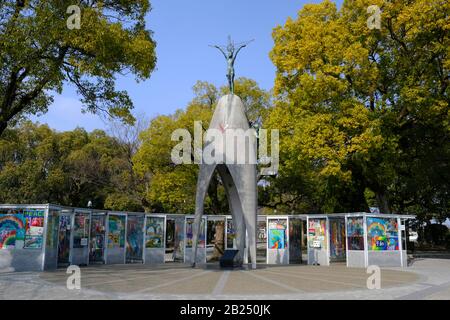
(351, 254)
(22, 253)
(286, 247)
(63, 211)
(215, 218)
(134, 214)
(329, 219)
(163, 248)
(327, 235)
(346, 242)
(399, 237)
(302, 218)
(366, 244)
(115, 213)
(366, 251)
(105, 237)
(228, 217)
(205, 219)
(364, 260)
(72, 235)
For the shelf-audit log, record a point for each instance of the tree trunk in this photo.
(383, 203)
(3, 125)
(219, 240)
(212, 193)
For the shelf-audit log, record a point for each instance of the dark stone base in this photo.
(228, 260)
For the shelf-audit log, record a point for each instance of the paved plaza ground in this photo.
(423, 279)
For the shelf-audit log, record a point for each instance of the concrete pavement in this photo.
(424, 279)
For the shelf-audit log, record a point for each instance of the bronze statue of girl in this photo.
(230, 56)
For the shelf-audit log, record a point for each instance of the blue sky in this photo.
(183, 29)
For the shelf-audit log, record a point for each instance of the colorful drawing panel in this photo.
(337, 238)
(135, 237)
(12, 230)
(277, 234)
(64, 239)
(276, 239)
(231, 234)
(201, 243)
(355, 233)
(382, 234)
(81, 230)
(317, 233)
(262, 234)
(34, 242)
(116, 234)
(189, 232)
(34, 228)
(154, 232)
(178, 254)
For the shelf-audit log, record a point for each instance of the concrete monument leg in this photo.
(244, 177)
(204, 177)
(235, 207)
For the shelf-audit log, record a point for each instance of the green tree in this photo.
(367, 109)
(39, 54)
(40, 165)
(171, 188)
(128, 187)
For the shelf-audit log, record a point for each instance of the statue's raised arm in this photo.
(220, 49)
(243, 45)
(237, 51)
